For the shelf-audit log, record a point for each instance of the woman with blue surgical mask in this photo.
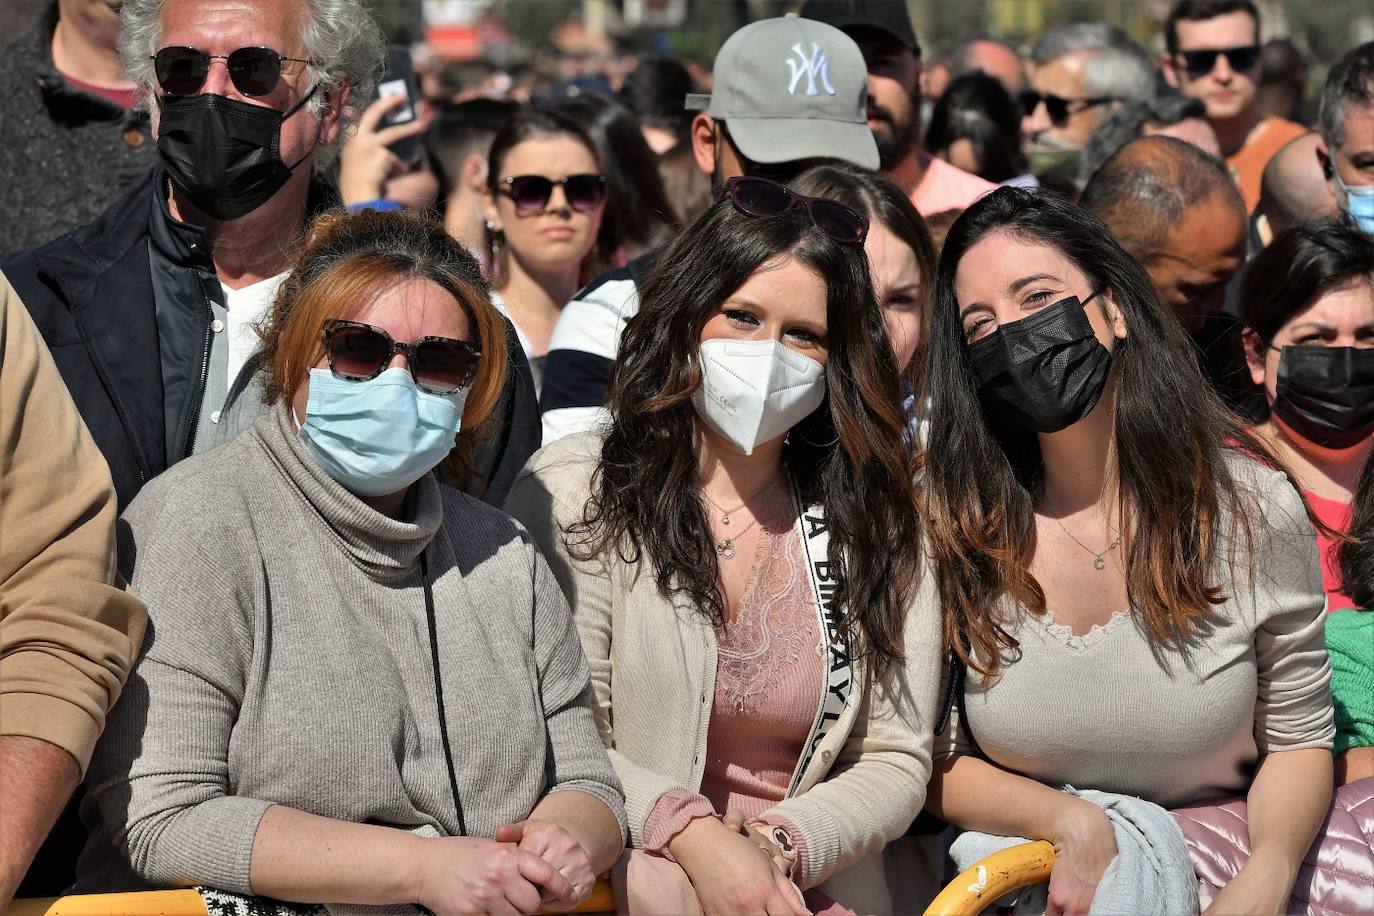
(365, 687)
(742, 552)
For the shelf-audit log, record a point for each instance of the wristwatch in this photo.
(780, 838)
(783, 839)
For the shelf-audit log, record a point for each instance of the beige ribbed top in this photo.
(1106, 711)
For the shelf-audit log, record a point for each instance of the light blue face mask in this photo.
(380, 436)
(1357, 201)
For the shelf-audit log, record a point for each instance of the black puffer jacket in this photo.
(64, 153)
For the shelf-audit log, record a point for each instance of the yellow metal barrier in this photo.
(141, 903)
(977, 887)
(190, 903)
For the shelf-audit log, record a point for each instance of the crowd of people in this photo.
(771, 490)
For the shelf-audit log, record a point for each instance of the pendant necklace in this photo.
(1099, 559)
(725, 547)
(724, 514)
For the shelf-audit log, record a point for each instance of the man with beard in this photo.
(1175, 209)
(882, 30)
(752, 123)
(1080, 73)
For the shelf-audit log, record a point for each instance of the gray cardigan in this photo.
(288, 661)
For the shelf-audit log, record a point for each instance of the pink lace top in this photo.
(769, 676)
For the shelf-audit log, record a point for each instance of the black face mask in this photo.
(1046, 371)
(223, 154)
(1326, 394)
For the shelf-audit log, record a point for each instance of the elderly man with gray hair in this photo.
(1347, 131)
(1078, 74)
(150, 310)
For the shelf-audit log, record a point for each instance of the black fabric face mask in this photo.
(1045, 371)
(223, 154)
(1326, 394)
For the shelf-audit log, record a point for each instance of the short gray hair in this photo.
(1128, 123)
(1350, 82)
(1118, 68)
(340, 37)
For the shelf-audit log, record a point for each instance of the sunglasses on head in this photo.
(359, 352)
(1056, 106)
(531, 193)
(1201, 61)
(757, 196)
(254, 71)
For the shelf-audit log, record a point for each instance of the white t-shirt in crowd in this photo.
(246, 307)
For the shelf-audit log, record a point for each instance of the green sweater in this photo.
(1350, 640)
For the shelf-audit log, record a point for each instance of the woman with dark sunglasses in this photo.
(1127, 574)
(741, 549)
(543, 203)
(1308, 302)
(359, 686)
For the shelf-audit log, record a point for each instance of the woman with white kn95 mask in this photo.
(741, 548)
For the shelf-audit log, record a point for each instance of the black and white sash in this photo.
(839, 674)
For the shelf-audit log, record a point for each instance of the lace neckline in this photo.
(1064, 634)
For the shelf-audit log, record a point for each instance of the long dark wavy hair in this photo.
(849, 456)
(1357, 553)
(981, 477)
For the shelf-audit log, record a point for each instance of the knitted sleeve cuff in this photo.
(799, 865)
(670, 816)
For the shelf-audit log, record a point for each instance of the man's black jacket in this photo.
(91, 293)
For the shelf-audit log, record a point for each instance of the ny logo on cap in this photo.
(817, 66)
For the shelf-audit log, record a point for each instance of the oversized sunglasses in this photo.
(531, 193)
(254, 71)
(1056, 106)
(1199, 62)
(763, 197)
(359, 352)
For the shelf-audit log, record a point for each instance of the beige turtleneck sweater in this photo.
(288, 662)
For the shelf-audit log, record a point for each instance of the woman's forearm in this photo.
(1287, 803)
(976, 795)
(1355, 763)
(305, 858)
(589, 821)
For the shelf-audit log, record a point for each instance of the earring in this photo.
(495, 240)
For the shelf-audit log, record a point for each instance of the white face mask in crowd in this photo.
(753, 391)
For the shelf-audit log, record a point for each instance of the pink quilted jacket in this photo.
(1337, 877)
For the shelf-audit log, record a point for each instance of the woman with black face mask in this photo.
(1129, 578)
(1309, 302)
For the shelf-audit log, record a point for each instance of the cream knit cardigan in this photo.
(653, 668)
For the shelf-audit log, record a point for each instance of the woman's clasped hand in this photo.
(733, 873)
(466, 876)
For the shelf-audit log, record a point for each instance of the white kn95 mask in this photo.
(753, 391)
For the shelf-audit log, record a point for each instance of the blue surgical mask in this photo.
(1357, 201)
(379, 436)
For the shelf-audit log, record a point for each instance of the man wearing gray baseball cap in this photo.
(788, 93)
(882, 29)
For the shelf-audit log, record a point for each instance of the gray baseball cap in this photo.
(789, 89)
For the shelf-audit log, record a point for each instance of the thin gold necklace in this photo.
(725, 547)
(1099, 559)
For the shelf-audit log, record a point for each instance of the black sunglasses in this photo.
(1199, 62)
(531, 193)
(254, 71)
(757, 196)
(359, 352)
(1056, 106)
